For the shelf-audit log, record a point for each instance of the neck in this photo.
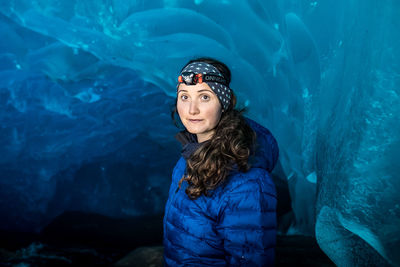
(204, 137)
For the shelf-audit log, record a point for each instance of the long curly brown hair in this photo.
(229, 148)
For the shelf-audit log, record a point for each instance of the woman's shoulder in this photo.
(254, 180)
(178, 170)
(180, 164)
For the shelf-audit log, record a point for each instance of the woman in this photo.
(221, 208)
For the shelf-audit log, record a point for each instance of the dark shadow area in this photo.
(77, 238)
(83, 239)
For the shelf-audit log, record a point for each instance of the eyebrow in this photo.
(199, 91)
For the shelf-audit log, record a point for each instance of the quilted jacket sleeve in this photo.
(248, 223)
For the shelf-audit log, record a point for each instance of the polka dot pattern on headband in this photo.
(222, 91)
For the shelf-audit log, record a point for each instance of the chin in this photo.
(193, 131)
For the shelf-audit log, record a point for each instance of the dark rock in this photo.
(144, 256)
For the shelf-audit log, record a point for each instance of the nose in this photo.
(193, 108)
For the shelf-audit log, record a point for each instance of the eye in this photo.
(205, 97)
(184, 97)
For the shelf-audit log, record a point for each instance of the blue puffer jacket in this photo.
(235, 226)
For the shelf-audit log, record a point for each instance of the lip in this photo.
(194, 121)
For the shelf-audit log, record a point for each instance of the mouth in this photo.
(195, 121)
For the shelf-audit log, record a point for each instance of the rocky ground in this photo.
(80, 239)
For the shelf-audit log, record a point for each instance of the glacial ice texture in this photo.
(86, 89)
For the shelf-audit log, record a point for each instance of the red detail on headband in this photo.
(199, 78)
(180, 79)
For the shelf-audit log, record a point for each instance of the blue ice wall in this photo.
(86, 89)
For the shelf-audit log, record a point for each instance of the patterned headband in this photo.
(213, 78)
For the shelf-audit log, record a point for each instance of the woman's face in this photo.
(199, 109)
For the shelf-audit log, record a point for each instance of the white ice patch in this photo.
(312, 177)
(88, 96)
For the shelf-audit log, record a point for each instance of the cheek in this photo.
(214, 116)
(179, 107)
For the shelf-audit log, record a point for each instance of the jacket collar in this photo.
(189, 143)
